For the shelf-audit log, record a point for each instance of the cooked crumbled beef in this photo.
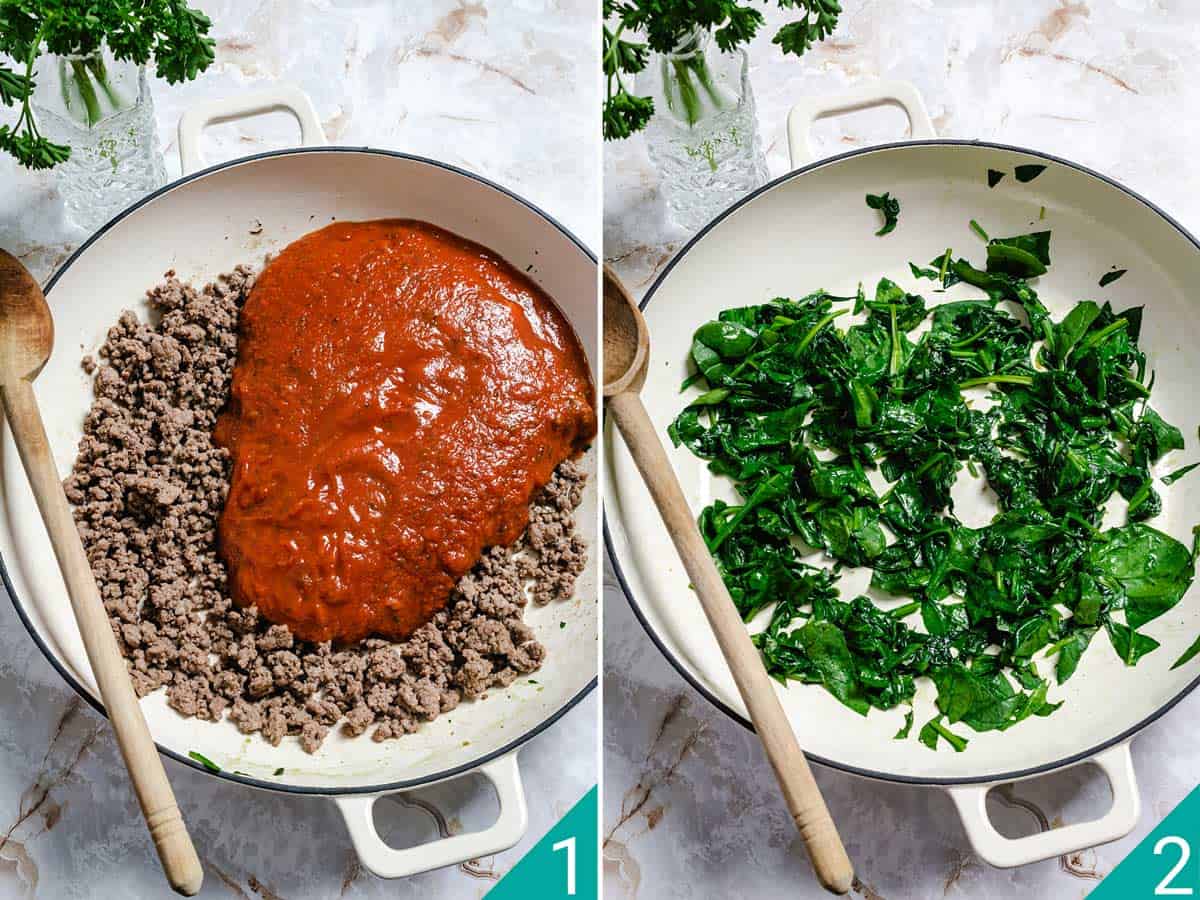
(148, 487)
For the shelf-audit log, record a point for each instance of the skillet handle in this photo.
(276, 98)
(865, 96)
(390, 862)
(993, 847)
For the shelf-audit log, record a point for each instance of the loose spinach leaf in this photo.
(1025, 174)
(933, 729)
(908, 723)
(1070, 651)
(204, 761)
(1188, 655)
(1109, 277)
(1023, 256)
(994, 177)
(1173, 477)
(889, 206)
(1154, 437)
(825, 645)
(1130, 645)
(1153, 569)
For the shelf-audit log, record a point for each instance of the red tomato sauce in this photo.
(399, 396)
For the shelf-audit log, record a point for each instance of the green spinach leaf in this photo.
(890, 207)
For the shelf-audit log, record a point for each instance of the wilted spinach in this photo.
(889, 206)
(1026, 174)
(800, 413)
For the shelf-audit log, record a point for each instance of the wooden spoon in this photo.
(26, 339)
(626, 355)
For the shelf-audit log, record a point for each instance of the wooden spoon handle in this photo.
(175, 850)
(800, 790)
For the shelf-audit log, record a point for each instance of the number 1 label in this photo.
(569, 846)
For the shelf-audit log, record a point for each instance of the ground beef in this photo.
(147, 488)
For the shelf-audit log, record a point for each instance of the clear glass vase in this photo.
(101, 109)
(703, 136)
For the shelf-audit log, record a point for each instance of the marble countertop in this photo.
(506, 89)
(690, 806)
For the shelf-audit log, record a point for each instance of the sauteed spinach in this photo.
(848, 441)
(890, 207)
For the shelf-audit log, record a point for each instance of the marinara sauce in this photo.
(399, 396)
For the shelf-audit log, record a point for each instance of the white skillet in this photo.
(203, 225)
(812, 229)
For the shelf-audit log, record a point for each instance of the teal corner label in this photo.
(1165, 864)
(563, 864)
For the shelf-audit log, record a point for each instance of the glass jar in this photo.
(703, 136)
(102, 110)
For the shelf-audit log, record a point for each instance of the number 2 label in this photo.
(1165, 888)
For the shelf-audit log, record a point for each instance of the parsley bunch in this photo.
(170, 32)
(666, 22)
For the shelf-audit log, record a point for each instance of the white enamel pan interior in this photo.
(201, 226)
(812, 229)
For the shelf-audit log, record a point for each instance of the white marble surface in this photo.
(690, 807)
(505, 88)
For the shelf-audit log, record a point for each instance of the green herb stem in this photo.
(958, 743)
(91, 102)
(1026, 380)
(204, 761)
(812, 332)
(96, 64)
(945, 265)
(1100, 336)
(26, 118)
(967, 341)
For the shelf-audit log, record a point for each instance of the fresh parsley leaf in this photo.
(668, 25)
(169, 33)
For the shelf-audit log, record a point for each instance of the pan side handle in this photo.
(392, 862)
(865, 96)
(276, 98)
(1116, 763)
